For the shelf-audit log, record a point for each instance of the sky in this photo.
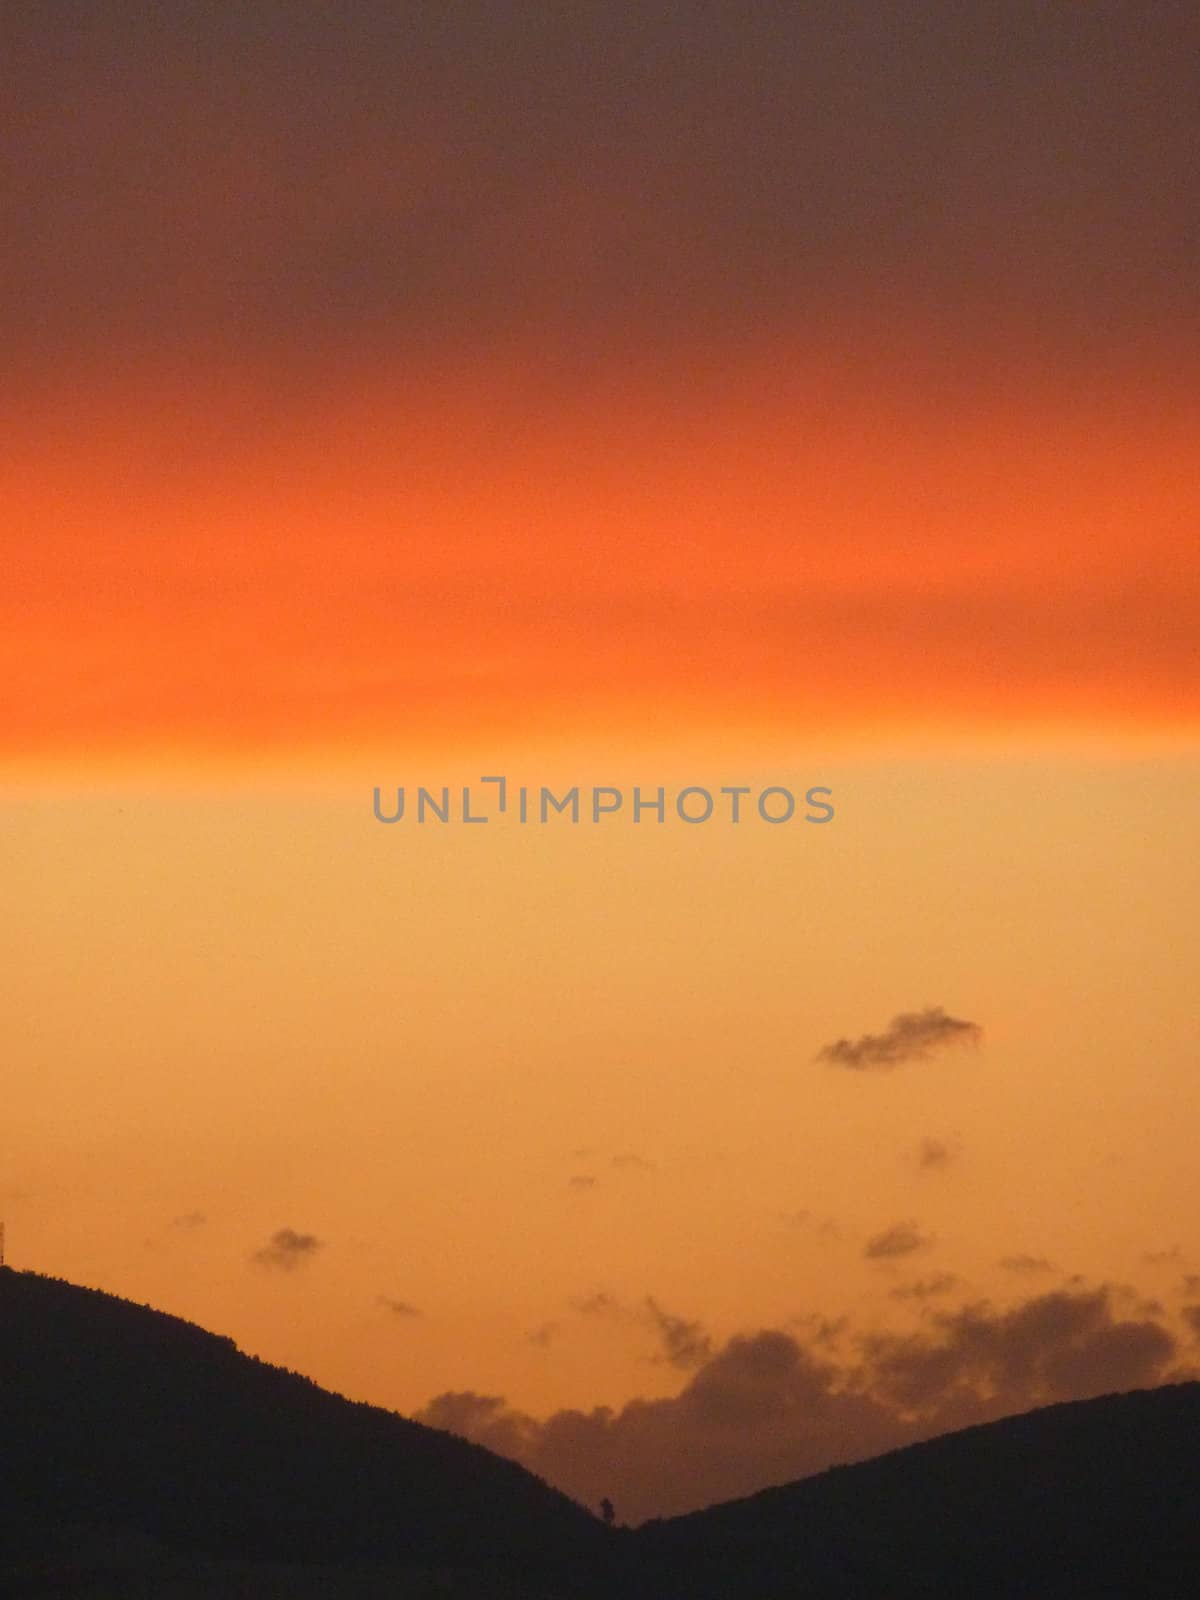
(796, 398)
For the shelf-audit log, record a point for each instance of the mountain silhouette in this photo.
(1090, 1498)
(143, 1457)
(114, 1416)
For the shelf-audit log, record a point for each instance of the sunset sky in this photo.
(611, 395)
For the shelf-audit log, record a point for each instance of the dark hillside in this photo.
(115, 1415)
(1099, 1497)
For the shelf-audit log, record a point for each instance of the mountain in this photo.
(142, 1458)
(1092, 1498)
(135, 1426)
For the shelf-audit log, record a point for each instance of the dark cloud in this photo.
(543, 1335)
(287, 1250)
(925, 1288)
(1028, 1265)
(768, 1407)
(684, 1344)
(1163, 1258)
(189, 1220)
(901, 1239)
(398, 1308)
(1191, 1283)
(1059, 1346)
(485, 1418)
(912, 1036)
(1191, 1315)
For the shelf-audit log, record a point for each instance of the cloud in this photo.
(599, 1304)
(1163, 1258)
(1028, 1265)
(1191, 1283)
(768, 1407)
(543, 1335)
(630, 1162)
(925, 1288)
(287, 1249)
(684, 1344)
(1058, 1346)
(189, 1220)
(581, 1182)
(911, 1036)
(821, 1330)
(901, 1239)
(934, 1154)
(398, 1308)
(482, 1417)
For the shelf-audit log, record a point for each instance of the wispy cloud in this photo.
(598, 1304)
(925, 1288)
(685, 1344)
(1163, 1258)
(629, 1161)
(933, 1155)
(398, 1308)
(1028, 1265)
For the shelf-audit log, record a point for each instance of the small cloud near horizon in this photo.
(925, 1288)
(287, 1250)
(911, 1036)
(398, 1308)
(631, 1162)
(901, 1239)
(1026, 1264)
(934, 1155)
(598, 1304)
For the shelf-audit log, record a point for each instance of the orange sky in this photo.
(799, 396)
(527, 1081)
